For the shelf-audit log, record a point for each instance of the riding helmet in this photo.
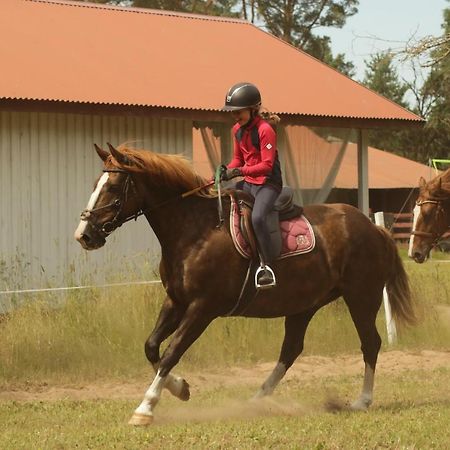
(241, 96)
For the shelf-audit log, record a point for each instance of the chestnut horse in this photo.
(203, 274)
(431, 216)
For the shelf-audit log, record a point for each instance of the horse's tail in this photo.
(397, 285)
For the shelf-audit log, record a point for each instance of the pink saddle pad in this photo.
(297, 235)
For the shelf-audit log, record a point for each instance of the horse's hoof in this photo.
(360, 405)
(141, 420)
(185, 393)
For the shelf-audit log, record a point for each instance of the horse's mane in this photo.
(440, 186)
(171, 171)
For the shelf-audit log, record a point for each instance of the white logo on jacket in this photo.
(269, 146)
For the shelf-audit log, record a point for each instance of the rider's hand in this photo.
(231, 173)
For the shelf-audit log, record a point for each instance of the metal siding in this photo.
(48, 168)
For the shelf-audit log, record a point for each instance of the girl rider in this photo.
(257, 161)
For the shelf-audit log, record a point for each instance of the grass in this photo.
(100, 333)
(403, 417)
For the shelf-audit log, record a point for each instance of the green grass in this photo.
(100, 333)
(403, 417)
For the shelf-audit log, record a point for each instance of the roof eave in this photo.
(37, 105)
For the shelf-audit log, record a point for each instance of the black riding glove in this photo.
(231, 173)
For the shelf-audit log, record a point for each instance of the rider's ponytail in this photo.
(272, 118)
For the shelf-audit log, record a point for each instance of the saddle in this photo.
(290, 231)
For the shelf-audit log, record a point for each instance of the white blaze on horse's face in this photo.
(411, 239)
(91, 204)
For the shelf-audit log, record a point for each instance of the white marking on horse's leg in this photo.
(365, 399)
(91, 203)
(272, 381)
(176, 385)
(151, 397)
(411, 239)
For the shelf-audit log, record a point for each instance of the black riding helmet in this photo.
(241, 96)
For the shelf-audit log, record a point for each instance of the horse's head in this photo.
(430, 218)
(114, 201)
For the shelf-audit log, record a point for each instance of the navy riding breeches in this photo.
(265, 196)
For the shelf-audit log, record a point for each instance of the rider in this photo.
(260, 167)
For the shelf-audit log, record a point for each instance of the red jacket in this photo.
(258, 165)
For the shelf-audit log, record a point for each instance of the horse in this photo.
(203, 273)
(431, 220)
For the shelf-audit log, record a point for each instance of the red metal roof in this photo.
(82, 52)
(386, 170)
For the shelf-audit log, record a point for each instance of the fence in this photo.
(399, 224)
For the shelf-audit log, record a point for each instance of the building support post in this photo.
(225, 143)
(363, 172)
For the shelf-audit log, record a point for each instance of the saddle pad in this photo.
(297, 235)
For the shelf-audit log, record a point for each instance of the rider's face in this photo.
(241, 116)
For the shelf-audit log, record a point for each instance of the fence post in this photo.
(390, 322)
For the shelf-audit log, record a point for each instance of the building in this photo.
(78, 73)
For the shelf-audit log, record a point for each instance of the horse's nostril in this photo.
(418, 257)
(85, 238)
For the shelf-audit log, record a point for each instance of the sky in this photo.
(384, 24)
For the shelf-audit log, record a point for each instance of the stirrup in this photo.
(265, 286)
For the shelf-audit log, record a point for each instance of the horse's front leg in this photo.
(192, 325)
(169, 318)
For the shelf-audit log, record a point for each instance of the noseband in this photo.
(439, 210)
(108, 227)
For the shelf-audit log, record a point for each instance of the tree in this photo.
(438, 84)
(295, 21)
(381, 76)
(210, 7)
(320, 48)
(432, 102)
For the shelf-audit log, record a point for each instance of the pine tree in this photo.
(381, 76)
(438, 84)
(295, 21)
(209, 7)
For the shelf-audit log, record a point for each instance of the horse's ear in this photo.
(422, 183)
(118, 155)
(102, 153)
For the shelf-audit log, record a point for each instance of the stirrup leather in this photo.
(265, 286)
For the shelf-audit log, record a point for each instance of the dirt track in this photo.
(307, 368)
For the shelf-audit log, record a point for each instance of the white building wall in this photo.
(47, 169)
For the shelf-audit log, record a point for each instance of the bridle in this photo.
(439, 211)
(107, 228)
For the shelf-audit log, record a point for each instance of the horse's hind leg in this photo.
(169, 318)
(363, 309)
(294, 335)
